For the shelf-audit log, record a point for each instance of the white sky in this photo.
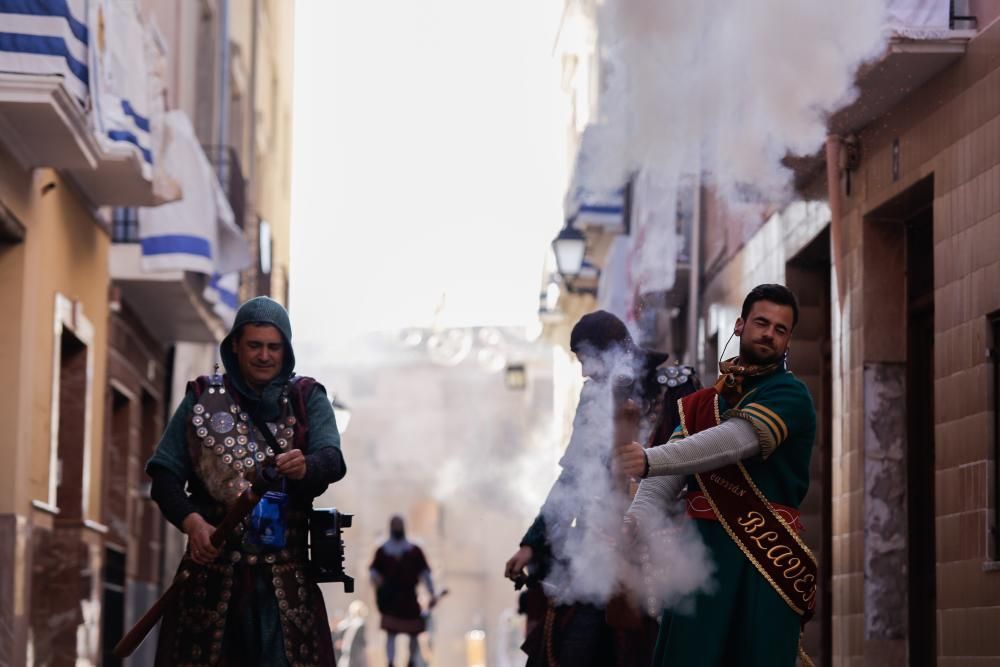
(429, 149)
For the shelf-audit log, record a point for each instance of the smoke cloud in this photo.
(592, 560)
(725, 90)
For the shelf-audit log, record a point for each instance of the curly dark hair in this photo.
(774, 293)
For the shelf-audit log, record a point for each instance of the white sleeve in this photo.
(654, 497)
(731, 441)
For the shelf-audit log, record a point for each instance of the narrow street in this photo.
(465, 333)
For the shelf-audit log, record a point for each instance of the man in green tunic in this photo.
(252, 602)
(764, 427)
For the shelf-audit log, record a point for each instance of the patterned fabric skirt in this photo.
(238, 614)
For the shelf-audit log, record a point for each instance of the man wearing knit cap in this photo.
(252, 601)
(576, 630)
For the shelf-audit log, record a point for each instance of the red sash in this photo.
(698, 507)
(766, 537)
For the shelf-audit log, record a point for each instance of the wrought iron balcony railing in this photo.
(125, 225)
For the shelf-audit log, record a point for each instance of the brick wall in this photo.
(137, 371)
(949, 129)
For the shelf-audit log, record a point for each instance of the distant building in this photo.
(442, 433)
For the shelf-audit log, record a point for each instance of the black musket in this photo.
(267, 480)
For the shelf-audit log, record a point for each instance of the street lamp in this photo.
(341, 413)
(569, 248)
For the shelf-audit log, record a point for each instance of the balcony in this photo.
(67, 103)
(44, 86)
(596, 202)
(170, 304)
(123, 175)
(923, 43)
(126, 105)
(177, 263)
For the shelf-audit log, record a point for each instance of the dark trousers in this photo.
(580, 637)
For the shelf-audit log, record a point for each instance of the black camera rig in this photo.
(326, 546)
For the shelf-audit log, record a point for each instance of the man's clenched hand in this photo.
(199, 534)
(292, 464)
(515, 566)
(631, 460)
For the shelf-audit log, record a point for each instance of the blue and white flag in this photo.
(589, 208)
(122, 82)
(198, 232)
(223, 293)
(47, 37)
(596, 195)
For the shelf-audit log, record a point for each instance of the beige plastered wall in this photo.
(64, 252)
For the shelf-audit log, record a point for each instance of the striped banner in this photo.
(197, 232)
(121, 81)
(222, 293)
(47, 37)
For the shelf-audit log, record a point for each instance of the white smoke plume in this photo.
(592, 560)
(512, 480)
(725, 90)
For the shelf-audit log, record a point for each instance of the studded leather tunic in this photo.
(227, 451)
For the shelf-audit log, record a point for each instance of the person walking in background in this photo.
(349, 636)
(397, 569)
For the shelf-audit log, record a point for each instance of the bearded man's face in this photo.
(765, 334)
